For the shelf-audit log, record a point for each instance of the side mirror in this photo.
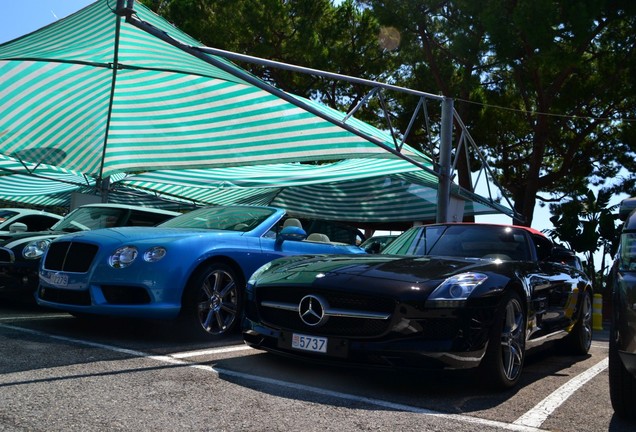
(561, 254)
(18, 227)
(291, 233)
(566, 257)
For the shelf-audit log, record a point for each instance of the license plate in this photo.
(59, 279)
(309, 343)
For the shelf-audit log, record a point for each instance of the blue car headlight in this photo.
(35, 249)
(155, 254)
(458, 287)
(123, 257)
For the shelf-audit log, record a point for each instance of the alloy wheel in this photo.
(217, 304)
(512, 340)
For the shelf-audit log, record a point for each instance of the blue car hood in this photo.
(136, 234)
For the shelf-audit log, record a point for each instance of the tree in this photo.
(587, 224)
(441, 51)
(548, 117)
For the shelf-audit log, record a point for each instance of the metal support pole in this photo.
(124, 7)
(445, 148)
(103, 188)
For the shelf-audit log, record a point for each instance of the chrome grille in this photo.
(335, 325)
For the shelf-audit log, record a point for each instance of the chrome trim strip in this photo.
(343, 313)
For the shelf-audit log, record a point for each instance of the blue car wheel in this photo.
(212, 301)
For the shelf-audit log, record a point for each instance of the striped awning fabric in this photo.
(94, 94)
(91, 97)
(354, 190)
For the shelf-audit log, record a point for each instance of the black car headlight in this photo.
(123, 257)
(457, 288)
(35, 249)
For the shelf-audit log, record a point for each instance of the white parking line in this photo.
(597, 345)
(290, 385)
(537, 415)
(34, 318)
(379, 402)
(211, 351)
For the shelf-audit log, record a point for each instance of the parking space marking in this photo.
(316, 390)
(539, 414)
(34, 317)
(378, 402)
(212, 351)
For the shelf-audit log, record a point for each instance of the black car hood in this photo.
(414, 270)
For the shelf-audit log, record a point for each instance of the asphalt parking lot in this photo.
(61, 373)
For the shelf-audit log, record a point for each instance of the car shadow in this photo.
(452, 392)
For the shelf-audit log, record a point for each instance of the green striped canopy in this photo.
(83, 95)
(48, 186)
(92, 96)
(353, 190)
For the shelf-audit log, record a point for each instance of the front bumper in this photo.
(111, 301)
(18, 278)
(399, 352)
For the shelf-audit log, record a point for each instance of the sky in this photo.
(20, 17)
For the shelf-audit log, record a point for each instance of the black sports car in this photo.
(439, 296)
(622, 345)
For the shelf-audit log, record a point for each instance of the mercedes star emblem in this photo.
(312, 310)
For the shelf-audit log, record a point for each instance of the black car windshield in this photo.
(627, 253)
(467, 241)
(221, 218)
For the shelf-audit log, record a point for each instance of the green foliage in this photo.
(587, 223)
(553, 80)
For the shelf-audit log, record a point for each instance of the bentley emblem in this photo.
(312, 310)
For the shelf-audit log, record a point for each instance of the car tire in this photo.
(502, 364)
(212, 302)
(580, 339)
(622, 384)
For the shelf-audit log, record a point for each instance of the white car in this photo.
(27, 219)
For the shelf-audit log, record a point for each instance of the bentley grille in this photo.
(72, 257)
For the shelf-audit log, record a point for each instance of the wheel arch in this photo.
(587, 288)
(517, 286)
(216, 259)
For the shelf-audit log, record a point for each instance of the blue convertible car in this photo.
(193, 267)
